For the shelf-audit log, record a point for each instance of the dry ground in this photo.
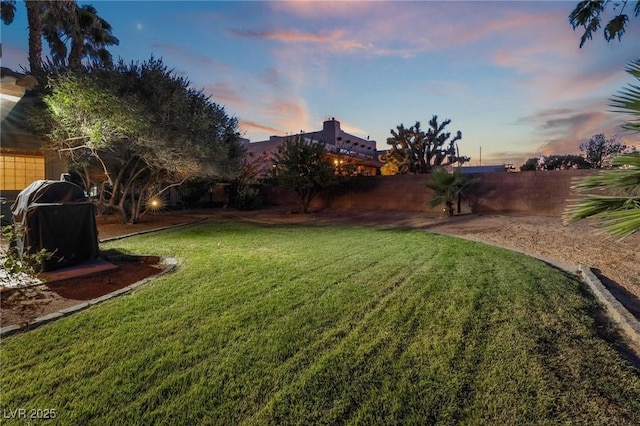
(546, 237)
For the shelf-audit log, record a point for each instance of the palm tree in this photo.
(87, 34)
(90, 38)
(448, 187)
(7, 11)
(619, 210)
(63, 22)
(37, 12)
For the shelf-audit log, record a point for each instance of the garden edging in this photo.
(169, 264)
(629, 325)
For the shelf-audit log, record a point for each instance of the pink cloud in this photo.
(247, 125)
(390, 28)
(287, 36)
(289, 114)
(224, 94)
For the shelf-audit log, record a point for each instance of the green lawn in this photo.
(327, 325)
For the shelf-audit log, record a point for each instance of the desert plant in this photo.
(448, 187)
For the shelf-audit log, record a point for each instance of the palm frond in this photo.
(626, 181)
(621, 223)
(619, 211)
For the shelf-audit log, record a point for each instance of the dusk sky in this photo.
(510, 75)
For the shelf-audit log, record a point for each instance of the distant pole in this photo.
(481, 156)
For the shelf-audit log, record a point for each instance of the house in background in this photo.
(23, 156)
(340, 146)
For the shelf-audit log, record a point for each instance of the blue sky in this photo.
(509, 75)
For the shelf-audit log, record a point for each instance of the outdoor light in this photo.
(155, 204)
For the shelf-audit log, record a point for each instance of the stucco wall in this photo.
(542, 193)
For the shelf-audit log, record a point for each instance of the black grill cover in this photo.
(58, 217)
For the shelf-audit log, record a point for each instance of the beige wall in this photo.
(541, 193)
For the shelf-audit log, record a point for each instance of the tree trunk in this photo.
(34, 21)
(449, 205)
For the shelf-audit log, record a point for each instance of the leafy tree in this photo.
(389, 168)
(531, 164)
(555, 162)
(587, 14)
(304, 167)
(245, 189)
(135, 130)
(416, 151)
(619, 207)
(600, 150)
(448, 187)
(565, 162)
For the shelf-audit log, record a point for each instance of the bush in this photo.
(247, 198)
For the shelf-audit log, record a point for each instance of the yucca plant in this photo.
(619, 209)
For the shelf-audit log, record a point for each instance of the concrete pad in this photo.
(84, 269)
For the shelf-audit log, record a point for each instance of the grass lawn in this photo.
(327, 325)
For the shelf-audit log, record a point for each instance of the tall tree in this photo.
(588, 13)
(39, 11)
(303, 166)
(136, 130)
(417, 151)
(619, 206)
(599, 150)
(62, 23)
(86, 34)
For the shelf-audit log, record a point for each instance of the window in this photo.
(18, 171)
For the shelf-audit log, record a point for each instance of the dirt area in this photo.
(618, 262)
(23, 305)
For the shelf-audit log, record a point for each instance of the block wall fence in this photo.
(536, 193)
